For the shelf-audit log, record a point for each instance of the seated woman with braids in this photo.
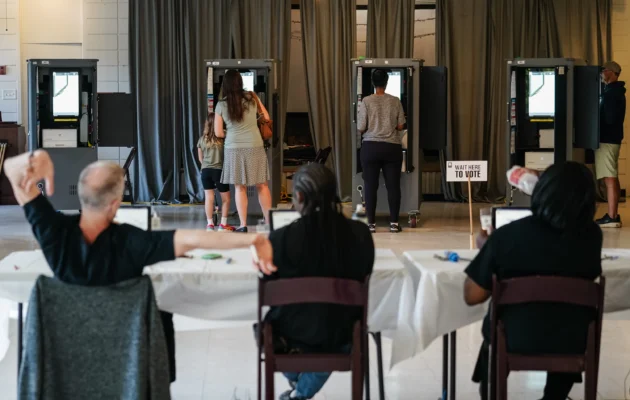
(322, 243)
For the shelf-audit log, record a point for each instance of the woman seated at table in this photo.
(322, 243)
(560, 239)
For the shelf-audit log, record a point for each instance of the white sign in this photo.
(461, 171)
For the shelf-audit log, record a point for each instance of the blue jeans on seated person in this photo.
(308, 384)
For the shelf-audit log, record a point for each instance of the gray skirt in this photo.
(247, 167)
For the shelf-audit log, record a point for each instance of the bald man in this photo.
(89, 249)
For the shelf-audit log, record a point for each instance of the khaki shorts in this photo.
(607, 160)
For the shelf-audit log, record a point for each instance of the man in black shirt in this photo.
(89, 249)
(560, 239)
(322, 243)
(612, 112)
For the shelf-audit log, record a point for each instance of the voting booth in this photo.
(422, 91)
(63, 120)
(259, 76)
(553, 114)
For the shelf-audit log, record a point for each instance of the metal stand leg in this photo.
(444, 367)
(20, 341)
(453, 363)
(379, 355)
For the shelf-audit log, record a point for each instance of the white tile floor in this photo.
(219, 363)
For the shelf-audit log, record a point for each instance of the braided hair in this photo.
(318, 187)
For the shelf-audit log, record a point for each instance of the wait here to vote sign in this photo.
(462, 171)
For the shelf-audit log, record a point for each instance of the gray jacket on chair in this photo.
(103, 342)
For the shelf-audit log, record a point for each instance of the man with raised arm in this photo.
(90, 249)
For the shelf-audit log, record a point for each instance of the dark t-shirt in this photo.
(119, 253)
(612, 112)
(303, 250)
(531, 247)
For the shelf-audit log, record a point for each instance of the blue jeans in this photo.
(309, 383)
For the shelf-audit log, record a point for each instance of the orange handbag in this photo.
(265, 126)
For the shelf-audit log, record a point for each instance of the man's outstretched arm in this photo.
(187, 240)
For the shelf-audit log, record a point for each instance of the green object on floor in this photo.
(211, 256)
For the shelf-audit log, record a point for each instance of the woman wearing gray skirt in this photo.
(245, 160)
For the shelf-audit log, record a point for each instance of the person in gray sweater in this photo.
(381, 120)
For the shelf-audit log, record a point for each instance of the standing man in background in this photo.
(612, 111)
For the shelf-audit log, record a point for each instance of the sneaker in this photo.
(287, 396)
(395, 228)
(226, 228)
(372, 228)
(210, 227)
(241, 230)
(607, 222)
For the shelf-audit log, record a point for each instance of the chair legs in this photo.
(591, 370)
(269, 363)
(379, 356)
(359, 363)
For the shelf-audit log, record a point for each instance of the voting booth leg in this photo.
(20, 324)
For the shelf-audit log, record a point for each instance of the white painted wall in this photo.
(10, 56)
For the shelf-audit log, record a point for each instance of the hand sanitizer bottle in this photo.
(156, 222)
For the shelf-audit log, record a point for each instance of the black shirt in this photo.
(303, 250)
(612, 110)
(532, 247)
(119, 253)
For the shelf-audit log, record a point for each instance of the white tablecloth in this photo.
(218, 291)
(440, 307)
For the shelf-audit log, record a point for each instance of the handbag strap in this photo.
(258, 105)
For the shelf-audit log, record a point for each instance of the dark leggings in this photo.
(377, 156)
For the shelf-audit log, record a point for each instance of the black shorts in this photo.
(211, 179)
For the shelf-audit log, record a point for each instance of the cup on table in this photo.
(485, 215)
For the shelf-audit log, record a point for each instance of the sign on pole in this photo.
(461, 171)
(467, 171)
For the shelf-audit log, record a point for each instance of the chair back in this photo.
(322, 155)
(129, 160)
(282, 292)
(548, 289)
(102, 334)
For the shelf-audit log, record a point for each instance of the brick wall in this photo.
(105, 37)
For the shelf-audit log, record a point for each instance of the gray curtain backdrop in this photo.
(169, 40)
(329, 42)
(390, 28)
(262, 29)
(477, 56)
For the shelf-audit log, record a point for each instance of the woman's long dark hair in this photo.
(234, 95)
(318, 187)
(564, 197)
